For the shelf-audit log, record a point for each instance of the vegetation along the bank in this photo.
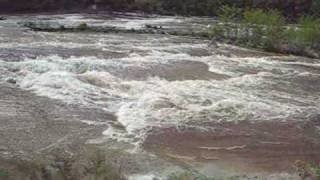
(92, 164)
(268, 30)
(253, 28)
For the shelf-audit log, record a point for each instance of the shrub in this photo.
(91, 164)
(229, 14)
(82, 26)
(4, 173)
(256, 16)
(253, 22)
(268, 30)
(309, 30)
(265, 27)
(315, 8)
(305, 34)
(187, 175)
(217, 32)
(317, 171)
(307, 170)
(274, 30)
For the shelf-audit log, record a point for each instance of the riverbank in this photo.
(269, 31)
(215, 34)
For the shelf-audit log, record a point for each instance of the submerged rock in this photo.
(11, 81)
(42, 25)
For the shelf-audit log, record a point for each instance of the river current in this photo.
(149, 80)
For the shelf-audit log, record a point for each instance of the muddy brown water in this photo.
(245, 146)
(169, 102)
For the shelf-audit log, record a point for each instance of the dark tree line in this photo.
(290, 8)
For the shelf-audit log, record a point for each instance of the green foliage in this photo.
(229, 14)
(291, 34)
(267, 30)
(101, 168)
(180, 176)
(317, 171)
(254, 20)
(266, 26)
(187, 175)
(91, 164)
(254, 16)
(82, 26)
(274, 30)
(315, 8)
(314, 169)
(275, 19)
(262, 28)
(217, 32)
(305, 34)
(307, 170)
(4, 173)
(309, 30)
(260, 17)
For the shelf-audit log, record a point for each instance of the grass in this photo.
(90, 164)
(187, 175)
(4, 173)
(309, 31)
(317, 171)
(307, 170)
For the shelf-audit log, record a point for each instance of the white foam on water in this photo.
(163, 103)
(73, 80)
(41, 44)
(142, 177)
(308, 74)
(251, 92)
(316, 65)
(140, 105)
(94, 123)
(124, 23)
(118, 135)
(140, 23)
(70, 20)
(172, 103)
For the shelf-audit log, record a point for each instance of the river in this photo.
(168, 101)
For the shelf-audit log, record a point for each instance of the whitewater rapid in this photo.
(157, 80)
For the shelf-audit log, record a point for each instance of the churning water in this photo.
(149, 80)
